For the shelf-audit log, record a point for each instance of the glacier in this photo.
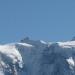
(30, 57)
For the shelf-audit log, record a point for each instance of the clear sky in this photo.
(49, 20)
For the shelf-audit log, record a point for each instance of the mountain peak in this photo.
(25, 39)
(73, 39)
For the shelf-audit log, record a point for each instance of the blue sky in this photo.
(49, 20)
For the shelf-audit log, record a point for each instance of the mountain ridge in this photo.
(30, 57)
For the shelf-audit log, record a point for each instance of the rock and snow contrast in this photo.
(30, 57)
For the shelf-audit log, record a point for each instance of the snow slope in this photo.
(30, 57)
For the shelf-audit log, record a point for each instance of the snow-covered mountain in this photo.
(30, 57)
